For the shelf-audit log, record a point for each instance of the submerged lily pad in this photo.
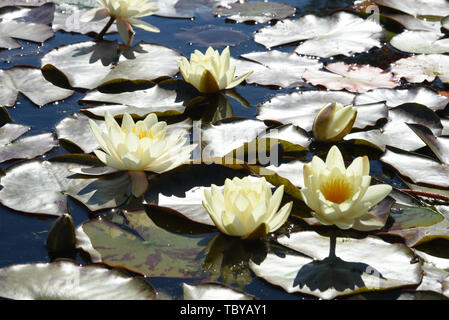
(340, 33)
(145, 248)
(210, 35)
(421, 68)
(90, 64)
(42, 187)
(31, 83)
(352, 77)
(66, 280)
(300, 108)
(275, 68)
(368, 264)
(256, 11)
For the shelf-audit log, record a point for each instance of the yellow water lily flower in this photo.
(339, 195)
(245, 209)
(333, 122)
(125, 12)
(139, 147)
(210, 72)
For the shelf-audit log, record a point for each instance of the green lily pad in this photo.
(149, 249)
(275, 68)
(396, 132)
(368, 264)
(66, 280)
(91, 64)
(257, 11)
(341, 33)
(31, 83)
(396, 97)
(41, 187)
(213, 291)
(300, 108)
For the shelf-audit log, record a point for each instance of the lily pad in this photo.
(31, 83)
(213, 291)
(396, 97)
(368, 264)
(414, 23)
(40, 15)
(436, 274)
(300, 108)
(34, 32)
(90, 64)
(256, 11)
(25, 148)
(418, 7)
(275, 68)
(139, 102)
(352, 77)
(210, 35)
(66, 280)
(421, 42)
(41, 187)
(340, 33)
(396, 133)
(421, 68)
(148, 249)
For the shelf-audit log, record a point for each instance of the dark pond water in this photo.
(22, 236)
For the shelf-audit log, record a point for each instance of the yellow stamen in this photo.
(336, 189)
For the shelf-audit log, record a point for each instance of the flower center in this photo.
(336, 189)
(140, 132)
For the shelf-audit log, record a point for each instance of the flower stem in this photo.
(105, 29)
(333, 244)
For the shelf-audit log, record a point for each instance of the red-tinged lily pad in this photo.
(257, 11)
(30, 82)
(351, 77)
(341, 33)
(66, 280)
(42, 187)
(362, 265)
(141, 246)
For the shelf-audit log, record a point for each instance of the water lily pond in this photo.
(222, 149)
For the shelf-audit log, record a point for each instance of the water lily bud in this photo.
(339, 195)
(245, 209)
(210, 72)
(141, 146)
(333, 122)
(61, 237)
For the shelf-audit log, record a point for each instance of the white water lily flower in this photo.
(210, 72)
(333, 122)
(245, 209)
(338, 195)
(141, 146)
(125, 12)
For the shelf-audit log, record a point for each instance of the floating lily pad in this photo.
(352, 77)
(418, 7)
(213, 291)
(396, 97)
(368, 264)
(42, 187)
(31, 83)
(421, 42)
(414, 23)
(436, 274)
(421, 68)
(396, 133)
(140, 102)
(340, 33)
(210, 35)
(41, 15)
(34, 32)
(438, 145)
(25, 148)
(275, 68)
(256, 11)
(66, 280)
(300, 108)
(149, 249)
(90, 64)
